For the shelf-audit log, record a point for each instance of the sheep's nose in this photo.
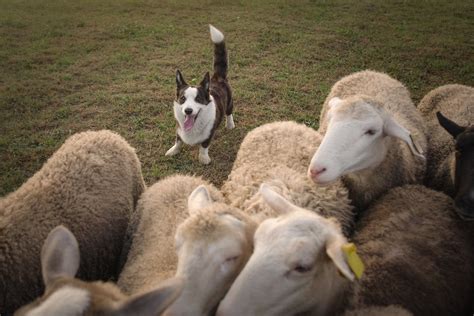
(315, 172)
(188, 111)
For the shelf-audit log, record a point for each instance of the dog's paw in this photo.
(229, 122)
(172, 151)
(204, 159)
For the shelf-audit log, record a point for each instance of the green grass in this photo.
(69, 66)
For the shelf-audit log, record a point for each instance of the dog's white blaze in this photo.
(68, 301)
(216, 35)
(190, 93)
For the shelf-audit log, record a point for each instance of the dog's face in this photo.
(190, 100)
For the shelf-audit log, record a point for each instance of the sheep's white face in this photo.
(350, 144)
(354, 140)
(294, 266)
(211, 261)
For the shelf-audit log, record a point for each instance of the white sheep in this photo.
(186, 230)
(65, 295)
(91, 184)
(449, 165)
(374, 137)
(279, 153)
(417, 254)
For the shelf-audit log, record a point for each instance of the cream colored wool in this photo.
(456, 102)
(400, 166)
(413, 242)
(91, 185)
(279, 154)
(161, 208)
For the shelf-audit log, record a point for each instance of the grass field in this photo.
(69, 66)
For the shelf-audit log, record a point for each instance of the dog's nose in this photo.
(188, 111)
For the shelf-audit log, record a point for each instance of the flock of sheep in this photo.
(270, 241)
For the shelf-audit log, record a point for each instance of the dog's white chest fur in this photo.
(204, 122)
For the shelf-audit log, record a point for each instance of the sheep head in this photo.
(65, 295)
(297, 265)
(354, 139)
(463, 175)
(213, 245)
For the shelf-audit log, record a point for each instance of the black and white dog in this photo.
(199, 109)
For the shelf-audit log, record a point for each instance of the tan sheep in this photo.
(374, 137)
(65, 295)
(444, 108)
(417, 254)
(278, 154)
(91, 184)
(186, 230)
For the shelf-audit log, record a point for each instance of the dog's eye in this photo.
(182, 100)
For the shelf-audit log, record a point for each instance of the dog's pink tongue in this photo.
(188, 122)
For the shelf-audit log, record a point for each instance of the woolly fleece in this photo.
(417, 254)
(279, 153)
(161, 208)
(456, 102)
(91, 185)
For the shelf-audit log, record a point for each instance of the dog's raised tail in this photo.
(220, 53)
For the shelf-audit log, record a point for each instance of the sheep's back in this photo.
(418, 254)
(90, 185)
(456, 102)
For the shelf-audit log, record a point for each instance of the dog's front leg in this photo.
(204, 155)
(176, 148)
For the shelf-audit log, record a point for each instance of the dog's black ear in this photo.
(451, 127)
(180, 83)
(205, 82)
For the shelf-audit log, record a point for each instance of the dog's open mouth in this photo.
(189, 121)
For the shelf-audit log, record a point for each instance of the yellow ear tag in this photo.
(353, 259)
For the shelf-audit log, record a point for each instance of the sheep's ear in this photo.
(60, 255)
(180, 83)
(334, 251)
(205, 82)
(199, 199)
(452, 128)
(334, 102)
(392, 128)
(275, 200)
(154, 302)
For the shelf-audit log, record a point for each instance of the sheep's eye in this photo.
(231, 259)
(302, 268)
(370, 132)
